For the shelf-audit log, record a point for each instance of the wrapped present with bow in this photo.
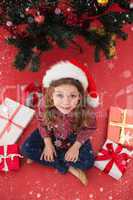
(120, 126)
(113, 159)
(14, 118)
(9, 158)
(33, 94)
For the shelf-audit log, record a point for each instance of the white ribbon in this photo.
(122, 126)
(5, 156)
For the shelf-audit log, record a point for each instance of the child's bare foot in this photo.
(79, 174)
(29, 161)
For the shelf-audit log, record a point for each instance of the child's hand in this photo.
(49, 151)
(73, 152)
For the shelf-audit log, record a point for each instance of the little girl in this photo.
(65, 121)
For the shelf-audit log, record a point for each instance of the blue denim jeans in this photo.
(34, 144)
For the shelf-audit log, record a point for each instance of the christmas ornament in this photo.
(21, 29)
(33, 94)
(36, 50)
(103, 2)
(9, 23)
(30, 11)
(39, 19)
(131, 5)
(31, 23)
(57, 11)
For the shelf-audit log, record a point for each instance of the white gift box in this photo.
(113, 164)
(14, 118)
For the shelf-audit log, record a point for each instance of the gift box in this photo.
(14, 118)
(113, 159)
(33, 95)
(120, 126)
(9, 158)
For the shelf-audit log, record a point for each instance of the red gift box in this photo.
(9, 157)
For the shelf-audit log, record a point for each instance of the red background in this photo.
(114, 79)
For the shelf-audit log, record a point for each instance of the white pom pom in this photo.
(93, 101)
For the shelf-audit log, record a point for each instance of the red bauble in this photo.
(39, 19)
(72, 19)
(65, 7)
(31, 11)
(22, 29)
(19, 30)
(36, 50)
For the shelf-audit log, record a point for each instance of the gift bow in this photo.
(5, 156)
(115, 156)
(122, 125)
(33, 87)
(33, 92)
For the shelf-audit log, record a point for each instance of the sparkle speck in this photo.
(127, 74)
(47, 189)
(85, 64)
(110, 198)
(101, 189)
(31, 192)
(111, 65)
(38, 195)
(91, 196)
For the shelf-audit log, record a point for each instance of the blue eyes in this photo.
(62, 96)
(59, 95)
(73, 96)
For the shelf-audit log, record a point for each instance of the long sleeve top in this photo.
(63, 124)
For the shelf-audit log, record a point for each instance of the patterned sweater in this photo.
(63, 124)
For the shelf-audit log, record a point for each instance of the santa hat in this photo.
(75, 70)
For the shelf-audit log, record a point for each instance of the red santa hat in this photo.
(75, 70)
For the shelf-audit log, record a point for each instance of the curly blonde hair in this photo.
(81, 117)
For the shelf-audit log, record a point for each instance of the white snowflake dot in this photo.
(68, 9)
(38, 195)
(91, 196)
(31, 192)
(127, 74)
(9, 23)
(101, 189)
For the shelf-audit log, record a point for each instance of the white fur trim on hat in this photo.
(65, 69)
(75, 70)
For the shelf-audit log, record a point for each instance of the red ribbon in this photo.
(32, 87)
(10, 121)
(115, 156)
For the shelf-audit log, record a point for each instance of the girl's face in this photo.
(65, 98)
